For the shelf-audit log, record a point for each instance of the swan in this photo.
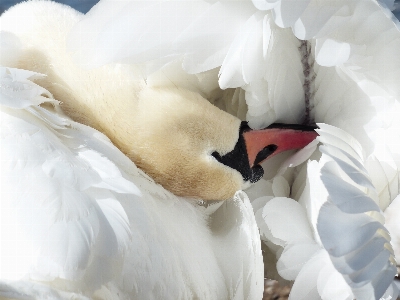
(338, 59)
(331, 67)
(101, 226)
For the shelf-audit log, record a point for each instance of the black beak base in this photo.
(238, 159)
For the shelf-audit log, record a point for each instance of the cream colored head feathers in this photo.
(168, 132)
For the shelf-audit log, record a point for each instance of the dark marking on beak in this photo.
(264, 153)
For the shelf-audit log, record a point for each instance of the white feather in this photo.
(393, 225)
(346, 251)
(305, 285)
(351, 229)
(285, 220)
(293, 258)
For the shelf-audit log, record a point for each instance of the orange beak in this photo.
(266, 143)
(255, 146)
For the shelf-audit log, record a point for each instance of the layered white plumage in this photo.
(351, 225)
(346, 74)
(259, 52)
(333, 241)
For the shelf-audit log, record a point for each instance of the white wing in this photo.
(259, 52)
(158, 30)
(332, 242)
(144, 31)
(203, 36)
(56, 226)
(350, 224)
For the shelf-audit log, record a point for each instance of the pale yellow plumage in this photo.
(168, 131)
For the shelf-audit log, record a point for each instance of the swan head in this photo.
(183, 142)
(196, 150)
(177, 137)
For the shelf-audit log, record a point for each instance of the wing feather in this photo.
(350, 224)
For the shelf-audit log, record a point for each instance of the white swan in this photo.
(346, 74)
(329, 90)
(88, 222)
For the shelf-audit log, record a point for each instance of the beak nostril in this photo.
(264, 153)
